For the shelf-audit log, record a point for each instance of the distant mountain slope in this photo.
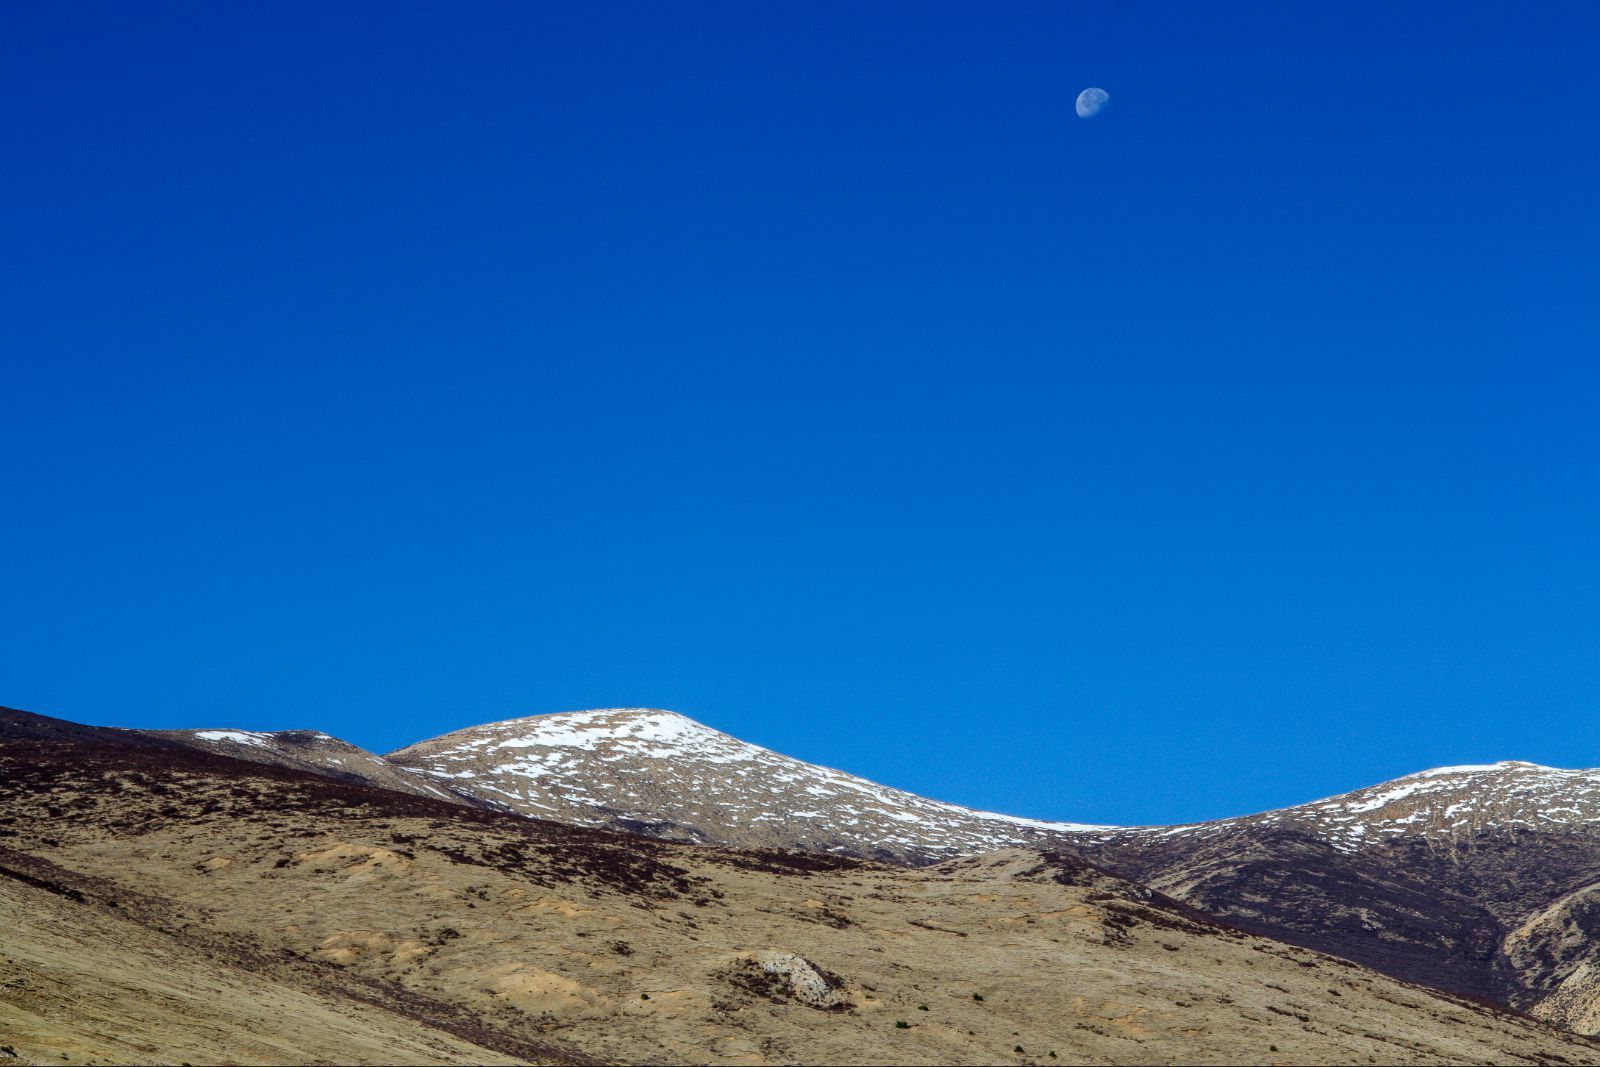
(19, 725)
(311, 750)
(306, 750)
(661, 773)
(1447, 807)
(1480, 878)
(657, 772)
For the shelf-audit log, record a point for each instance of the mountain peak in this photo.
(637, 731)
(1481, 768)
(658, 772)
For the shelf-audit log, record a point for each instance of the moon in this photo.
(1091, 102)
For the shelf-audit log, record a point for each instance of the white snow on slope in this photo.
(658, 766)
(1446, 804)
(238, 737)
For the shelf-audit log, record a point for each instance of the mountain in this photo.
(1447, 807)
(168, 902)
(1483, 879)
(660, 773)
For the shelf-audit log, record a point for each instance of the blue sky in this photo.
(814, 371)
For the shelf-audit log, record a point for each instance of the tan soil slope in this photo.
(80, 984)
(629, 949)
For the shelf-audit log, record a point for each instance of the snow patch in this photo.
(238, 737)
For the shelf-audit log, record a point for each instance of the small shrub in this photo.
(922, 1007)
(901, 1024)
(978, 997)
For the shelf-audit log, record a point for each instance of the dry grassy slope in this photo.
(630, 949)
(81, 984)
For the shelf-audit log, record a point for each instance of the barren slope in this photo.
(80, 982)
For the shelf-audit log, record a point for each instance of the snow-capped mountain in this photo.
(657, 772)
(660, 773)
(1447, 806)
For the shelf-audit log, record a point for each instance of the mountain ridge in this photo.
(1483, 879)
(1443, 804)
(1439, 803)
(167, 902)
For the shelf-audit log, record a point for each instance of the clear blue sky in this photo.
(814, 371)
